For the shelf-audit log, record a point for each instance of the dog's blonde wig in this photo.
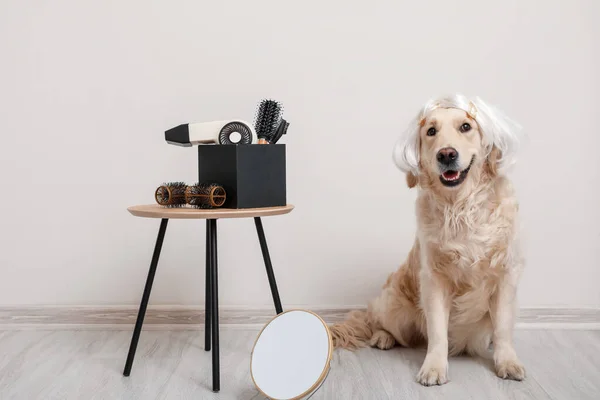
(496, 128)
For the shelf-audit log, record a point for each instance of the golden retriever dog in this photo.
(456, 291)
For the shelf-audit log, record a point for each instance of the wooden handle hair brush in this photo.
(205, 195)
(171, 194)
(200, 195)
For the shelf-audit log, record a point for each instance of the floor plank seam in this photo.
(192, 317)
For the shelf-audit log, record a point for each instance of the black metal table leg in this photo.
(215, 306)
(265, 252)
(211, 295)
(208, 293)
(144, 304)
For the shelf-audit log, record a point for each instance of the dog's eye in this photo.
(431, 131)
(465, 127)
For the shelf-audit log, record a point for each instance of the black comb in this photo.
(280, 131)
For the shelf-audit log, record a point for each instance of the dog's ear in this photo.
(411, 180)
(492, 161)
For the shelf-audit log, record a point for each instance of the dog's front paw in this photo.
(507, 364)
(510, 369)
(434, 371)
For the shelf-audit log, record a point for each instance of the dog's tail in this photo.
(354, 332)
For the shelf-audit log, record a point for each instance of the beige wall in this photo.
(87, 89)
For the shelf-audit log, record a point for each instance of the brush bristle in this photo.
(171, 194)
(267, 118)
(205, 195)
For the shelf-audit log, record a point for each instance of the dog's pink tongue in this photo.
(450, 175)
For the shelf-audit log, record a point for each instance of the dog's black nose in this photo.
(447, 155)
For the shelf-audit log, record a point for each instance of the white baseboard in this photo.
(192, 317)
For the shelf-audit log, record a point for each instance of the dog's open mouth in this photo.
(454, 178)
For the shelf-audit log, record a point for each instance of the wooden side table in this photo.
(211, 335)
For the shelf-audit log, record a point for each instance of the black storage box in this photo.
(253, 175)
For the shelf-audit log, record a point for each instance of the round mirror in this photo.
(291, 356)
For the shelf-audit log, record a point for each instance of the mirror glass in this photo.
(291, 355)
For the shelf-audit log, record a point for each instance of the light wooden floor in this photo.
(561, 364)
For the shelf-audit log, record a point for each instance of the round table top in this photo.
(157, 211)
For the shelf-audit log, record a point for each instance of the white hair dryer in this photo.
(217, 132)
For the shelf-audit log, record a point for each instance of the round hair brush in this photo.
(171, 194)
(205, 195)
(267, 120)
